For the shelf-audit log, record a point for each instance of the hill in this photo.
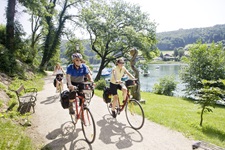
(182, 37)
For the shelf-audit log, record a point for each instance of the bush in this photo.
(100, 84)
(166, 86)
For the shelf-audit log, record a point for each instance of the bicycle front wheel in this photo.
(88, 126)
(135, 114)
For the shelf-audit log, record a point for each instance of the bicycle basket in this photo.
(86, 88)
(107, 95)
(130, 83)
(65, 99)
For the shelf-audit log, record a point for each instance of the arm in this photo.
(128, 73)
(89, 77)
(68, 79)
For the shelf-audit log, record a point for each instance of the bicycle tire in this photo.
(135, 114)
(88, 126)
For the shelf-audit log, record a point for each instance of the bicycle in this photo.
(133, 109)
(84, 113)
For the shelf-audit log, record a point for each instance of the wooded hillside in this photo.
(182, 37)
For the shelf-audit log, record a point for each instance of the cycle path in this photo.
(53, 125)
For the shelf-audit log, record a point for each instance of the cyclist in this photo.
(58, 71)
(76, 73)
(115, 82)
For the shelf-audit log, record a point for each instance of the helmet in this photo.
(76, 55)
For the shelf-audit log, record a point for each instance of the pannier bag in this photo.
(107, 95)
(65, 99)
(129, 83)
(54, 82)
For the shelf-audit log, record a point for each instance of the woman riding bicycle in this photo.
(58, 71)
(115, 82)
(76, 73)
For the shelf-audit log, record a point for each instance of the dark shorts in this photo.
(114, 88)
(72, 95)
(59, 77)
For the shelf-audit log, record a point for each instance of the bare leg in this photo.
(57, 85)
(124, 91)
(114, 103)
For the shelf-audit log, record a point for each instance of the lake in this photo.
(158, 71)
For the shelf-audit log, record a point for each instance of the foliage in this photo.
(14, 136)
(209, 94)
(100, 84)
(166, 86)
(115, 27)
(182, 37)
(204, 63)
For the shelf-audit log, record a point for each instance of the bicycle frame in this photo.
(80, 111)
(121, 107)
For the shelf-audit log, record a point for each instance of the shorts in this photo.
(114, 87)
(59, 77)
(72, 94)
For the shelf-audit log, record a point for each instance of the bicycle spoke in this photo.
(88, 126)
(134, 114)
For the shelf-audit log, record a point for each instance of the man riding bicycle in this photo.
(75, 75)
(115, 82)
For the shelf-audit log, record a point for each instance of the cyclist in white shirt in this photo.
(58, 71)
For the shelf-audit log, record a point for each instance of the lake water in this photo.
(158, 71)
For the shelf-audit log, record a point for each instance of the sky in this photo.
(168, 14)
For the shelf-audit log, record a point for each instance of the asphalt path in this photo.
(54, 126)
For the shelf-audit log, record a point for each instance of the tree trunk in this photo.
(10, 34)
(201, 121)
(102, 66)
(135, 91)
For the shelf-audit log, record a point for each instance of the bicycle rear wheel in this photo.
(134, 114)
(88, 126)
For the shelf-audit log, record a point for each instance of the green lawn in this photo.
(12, 135)
(184, 116)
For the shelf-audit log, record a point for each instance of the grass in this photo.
(184, 116)
(12, 134)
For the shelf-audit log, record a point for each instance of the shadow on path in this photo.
(113, 132)
(65, 138)
(50, 99)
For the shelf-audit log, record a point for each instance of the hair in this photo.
(119, 60)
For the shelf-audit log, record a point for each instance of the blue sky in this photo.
(168, 14)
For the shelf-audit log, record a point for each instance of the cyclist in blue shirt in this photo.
(76, 74)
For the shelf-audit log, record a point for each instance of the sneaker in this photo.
(71, 111)
(114, 114)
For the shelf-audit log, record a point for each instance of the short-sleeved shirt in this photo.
(119, 74)
(77, 75)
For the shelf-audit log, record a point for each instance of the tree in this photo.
(36, 9)
(54, 33)
(209, 94)
(10, 17)
(115, 27)
(203, 63)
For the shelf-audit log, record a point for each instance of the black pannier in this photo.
(54, 82)
(107, 95)
(65, 99)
